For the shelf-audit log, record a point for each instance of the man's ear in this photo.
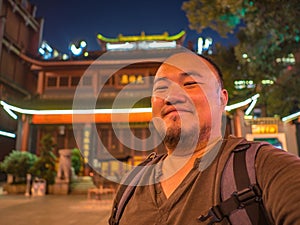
(224, 97)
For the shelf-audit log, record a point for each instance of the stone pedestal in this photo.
(61, 188)
(63, 178)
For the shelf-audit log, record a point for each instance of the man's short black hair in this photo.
(219, 72)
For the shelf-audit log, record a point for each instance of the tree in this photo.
(231, 70)
(44, 167)
(267, 31)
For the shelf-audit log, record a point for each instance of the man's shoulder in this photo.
(231, 142)
(236, 142)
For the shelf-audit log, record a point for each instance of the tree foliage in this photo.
(18, 164)
(77, 161)
(44, 167)
(267, 30)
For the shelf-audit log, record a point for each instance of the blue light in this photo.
(77, 48)
(76, 51)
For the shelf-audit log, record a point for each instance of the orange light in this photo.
(89, 118)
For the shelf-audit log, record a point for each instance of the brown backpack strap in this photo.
(240, 194)
(126, 190)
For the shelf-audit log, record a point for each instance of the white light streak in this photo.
(104, 111)
(291, 117)
(11, 113)
(253, 103)
(241, 104)
(7, 134)
(75, 111)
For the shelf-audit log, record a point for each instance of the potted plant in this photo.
(17, 164)
(44, 167)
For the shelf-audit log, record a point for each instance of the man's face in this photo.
(187, 101)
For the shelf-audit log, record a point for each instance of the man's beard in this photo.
(185, 142)
(172, 137)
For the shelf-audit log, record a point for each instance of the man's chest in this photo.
(193, 197)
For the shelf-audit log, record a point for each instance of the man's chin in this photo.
(172, 137)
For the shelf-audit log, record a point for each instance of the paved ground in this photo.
(53, 210)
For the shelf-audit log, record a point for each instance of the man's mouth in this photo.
(172, 110)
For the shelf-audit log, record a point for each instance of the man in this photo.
(187, 104)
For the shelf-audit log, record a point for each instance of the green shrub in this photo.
(18, 164)
(44, 167)
(77, 161)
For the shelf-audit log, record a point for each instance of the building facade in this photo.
(20, 33)
(98, 102)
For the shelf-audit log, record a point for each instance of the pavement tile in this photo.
(53, 210)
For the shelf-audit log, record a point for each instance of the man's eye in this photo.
(191, 83)
(160, 88)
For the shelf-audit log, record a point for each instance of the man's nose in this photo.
(175, 95)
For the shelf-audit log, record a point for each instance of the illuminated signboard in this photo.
(86, 143)
(131, 79)
(264, 129)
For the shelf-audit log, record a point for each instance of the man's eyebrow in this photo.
(183, 74)
(191, 74)
(159, 79)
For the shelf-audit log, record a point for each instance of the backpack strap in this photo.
(240, 194)
(125, 191)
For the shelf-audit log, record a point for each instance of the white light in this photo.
(253, 103)
(83, 44)
(11, 113)
(240, 104)
(75, 50)
(156, 44)
(200, 45)
(207, 43)
(49, 49)
(7, 134)
(41, 51)
(104, 111)
(70, 111)
(65, 57)
(291, 117)
(245, 56)
(267, 82)
(124, 46)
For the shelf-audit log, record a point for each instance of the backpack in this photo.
(241, 200)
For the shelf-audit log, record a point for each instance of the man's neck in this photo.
(175, 167)
(199, 150)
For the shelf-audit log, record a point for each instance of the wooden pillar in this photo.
(24, 133)
(40, 84)
(2, 26)
(238, 120)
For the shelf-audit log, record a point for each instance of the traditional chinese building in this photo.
(20, 31)
(85, 102)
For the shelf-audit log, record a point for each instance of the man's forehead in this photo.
(186, 60)
(164, 73)
(186, 64)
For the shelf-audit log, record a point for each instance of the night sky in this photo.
(67, 21)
